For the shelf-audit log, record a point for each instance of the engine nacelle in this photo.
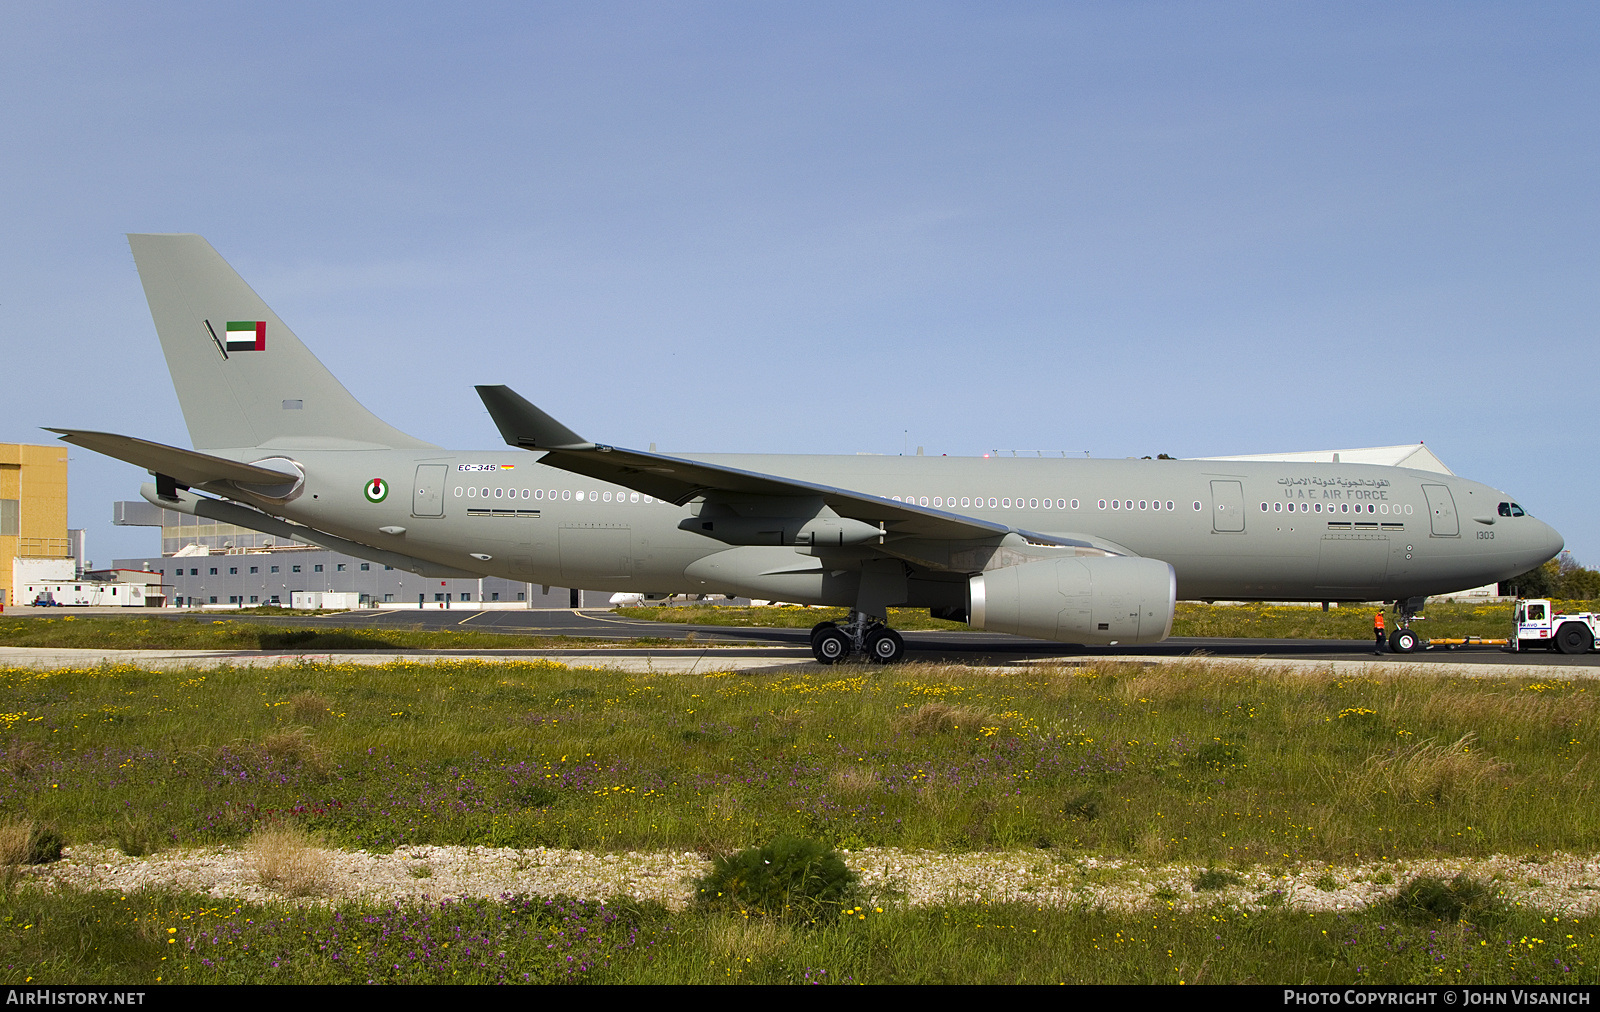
(1091, 600)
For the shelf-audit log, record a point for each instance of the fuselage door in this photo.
(427, 494)
(1442, 510)
(1227, 507)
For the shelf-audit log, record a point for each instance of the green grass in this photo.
(1225, 768)
(1233, 764)
(170, 938)
(115, 632)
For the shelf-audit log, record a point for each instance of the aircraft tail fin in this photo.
(243, 379)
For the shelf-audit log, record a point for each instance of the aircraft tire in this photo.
(1573, 638)
(884, 646)
(830, 646)
(821, 626)
(1403, 641)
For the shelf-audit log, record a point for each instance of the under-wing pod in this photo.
(1088, 600)
(819, 531)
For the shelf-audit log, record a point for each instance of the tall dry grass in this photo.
(15, 835)
(941, 718)
(1428, 771)
(286, 859)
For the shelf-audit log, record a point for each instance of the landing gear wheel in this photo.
(830, 646)
(1573, 638)
(884, 646)
(821, 626)
(1403, 641)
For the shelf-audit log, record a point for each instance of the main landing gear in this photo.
(861, 634)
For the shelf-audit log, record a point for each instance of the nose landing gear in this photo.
(1404, 640)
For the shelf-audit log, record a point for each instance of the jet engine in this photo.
(1090, 600)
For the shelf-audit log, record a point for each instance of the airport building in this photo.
(205, 564)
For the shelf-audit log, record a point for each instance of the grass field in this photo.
(1228, 767)
(149, 938)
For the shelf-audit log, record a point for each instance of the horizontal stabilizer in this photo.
(187, 467)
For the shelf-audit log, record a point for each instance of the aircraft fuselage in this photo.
(1231, 530)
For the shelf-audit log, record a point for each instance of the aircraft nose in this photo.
(1546, 542)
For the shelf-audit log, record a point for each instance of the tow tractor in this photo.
(1537, 624)
(1540, 625)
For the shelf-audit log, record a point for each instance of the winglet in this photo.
(524, 426)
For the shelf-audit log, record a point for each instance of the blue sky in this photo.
(1129, 228)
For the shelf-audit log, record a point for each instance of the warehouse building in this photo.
(204, 564)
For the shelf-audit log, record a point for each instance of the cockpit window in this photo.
(1505, 509)
(1511, 509)
(1517, 511)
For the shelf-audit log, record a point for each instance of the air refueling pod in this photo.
(1088, 600)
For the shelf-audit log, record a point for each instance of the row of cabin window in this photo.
(949, 502)
(552, 495)
(1344, 507)
(1033, 504)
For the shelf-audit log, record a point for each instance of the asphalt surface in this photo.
(955, 646)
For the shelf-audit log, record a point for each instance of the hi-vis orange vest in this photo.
(1377, 620)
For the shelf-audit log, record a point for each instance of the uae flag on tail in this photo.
(247, 335)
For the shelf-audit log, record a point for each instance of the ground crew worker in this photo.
(1377, 631)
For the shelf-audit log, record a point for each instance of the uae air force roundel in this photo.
(376, 490)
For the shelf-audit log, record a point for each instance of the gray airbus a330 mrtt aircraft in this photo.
(1093, 552)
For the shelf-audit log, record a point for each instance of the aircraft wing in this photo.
(186, 467)
(679, 481)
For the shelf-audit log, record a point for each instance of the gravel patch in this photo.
(1559, 883)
